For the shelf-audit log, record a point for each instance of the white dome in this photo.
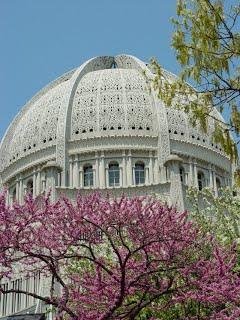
(100, 127)
(104, 97)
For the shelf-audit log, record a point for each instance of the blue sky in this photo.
(42, 39)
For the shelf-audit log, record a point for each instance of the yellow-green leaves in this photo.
(207, 45)
(235, 118)
(219, 216)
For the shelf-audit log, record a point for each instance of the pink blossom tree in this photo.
(118, 259)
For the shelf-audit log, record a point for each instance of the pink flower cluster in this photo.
(115, 259)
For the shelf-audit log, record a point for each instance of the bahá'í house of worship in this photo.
(99, 127)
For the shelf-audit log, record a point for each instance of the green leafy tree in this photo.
(217, 216)
(207, 45)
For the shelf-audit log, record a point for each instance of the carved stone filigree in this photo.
(105, 103)
(104, 111)
(111, 101)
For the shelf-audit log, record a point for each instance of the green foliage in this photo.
(237, 177)
(207, 45)
(218, 216)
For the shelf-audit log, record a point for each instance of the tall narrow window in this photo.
(114, 175)
(182, 174)
(218, 185)
(30, 186)
(14, 194)
(139, 173)
(88, 176)
(201, 180)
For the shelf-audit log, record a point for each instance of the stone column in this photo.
(120, 176)
(43, 181)
(214, 181)
(195, 174)
(71, 171)
(38, 181)
(48, 179)
(147, 179)
(106, 175)
(9, 300)
(17, 189)
(124, 169)
(25, 190)
(150, 167)
(31, 289)
(190, 173)
(75, 172)
(81, 182)
(21, 191)
(54, 182)
(133, 175)
(176, 192)
(210, 176)
(96, 170)
(163, 174)
(10, 196)
(102, 171)
(34, 183)
(129, 169)
(156, 170)
(59, 179)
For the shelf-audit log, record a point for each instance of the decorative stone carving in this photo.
(111, 101)
(103, 111)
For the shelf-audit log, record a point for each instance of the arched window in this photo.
(218, 184)
(14, 194)
(139, 173)
(182, 174)
(113, 174)
(30, 186)
(88, 176)
(201, 180)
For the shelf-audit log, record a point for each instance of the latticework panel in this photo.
(112, 101)
(37, 128)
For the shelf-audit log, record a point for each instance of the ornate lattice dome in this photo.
(104, 97)
(101, 127)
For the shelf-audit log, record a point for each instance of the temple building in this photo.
(100, 128)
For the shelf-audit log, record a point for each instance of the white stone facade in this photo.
(99, 127)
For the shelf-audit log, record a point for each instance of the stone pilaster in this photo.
(176, 192)
(71, 171)
(96, 170)
(155, 169)
(102, 171)
(195, 174)
(150, 167)
(210, 176)
(75, 172)
(124, 170)
(130, 180)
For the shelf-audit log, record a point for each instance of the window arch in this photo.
(201, 180)
(139, 173)
(114, 174)
(30, 186)
(88, 176)
(182, 175)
